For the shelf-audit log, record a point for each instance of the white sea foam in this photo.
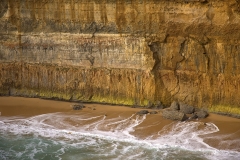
(114, 133)
(186, 134)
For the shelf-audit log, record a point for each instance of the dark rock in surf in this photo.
(197, 109)
(174, 115)
(77, 106)
(193, 116)
(142, 112)
(201, 114)
(174, 106)
(184, 108)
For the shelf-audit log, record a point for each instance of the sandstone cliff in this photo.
(123, 51)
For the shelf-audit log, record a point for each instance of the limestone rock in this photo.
(77, 106)
(187, 109)
(174, 115)
(193, 116)
(201, 114)
(174, 105)
(142, 112)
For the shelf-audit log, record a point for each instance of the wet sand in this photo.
(227, 138)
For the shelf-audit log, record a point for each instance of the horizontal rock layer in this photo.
(123, 52)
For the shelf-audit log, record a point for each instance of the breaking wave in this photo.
(69, 136)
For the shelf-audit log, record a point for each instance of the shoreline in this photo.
(237, 116)
(229, 128)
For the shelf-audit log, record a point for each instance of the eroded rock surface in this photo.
(142, 112)
(174, 115)
(187, 109)
(78, 106)
(201, 114)
(174, 106)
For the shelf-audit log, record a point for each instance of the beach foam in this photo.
(111, 138)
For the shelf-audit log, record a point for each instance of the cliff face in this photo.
(122, 52)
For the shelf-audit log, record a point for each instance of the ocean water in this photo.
(60, 136)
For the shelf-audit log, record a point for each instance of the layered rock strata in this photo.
(123, 51)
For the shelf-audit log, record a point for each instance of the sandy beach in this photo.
(228, 136)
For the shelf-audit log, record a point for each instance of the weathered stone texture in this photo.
(174, 115)
(118, 86)
(122, 51)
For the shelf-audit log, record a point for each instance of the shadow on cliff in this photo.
(161, 93)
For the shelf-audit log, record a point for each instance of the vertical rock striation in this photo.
(123, 51)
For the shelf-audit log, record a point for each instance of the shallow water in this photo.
(81, 136)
